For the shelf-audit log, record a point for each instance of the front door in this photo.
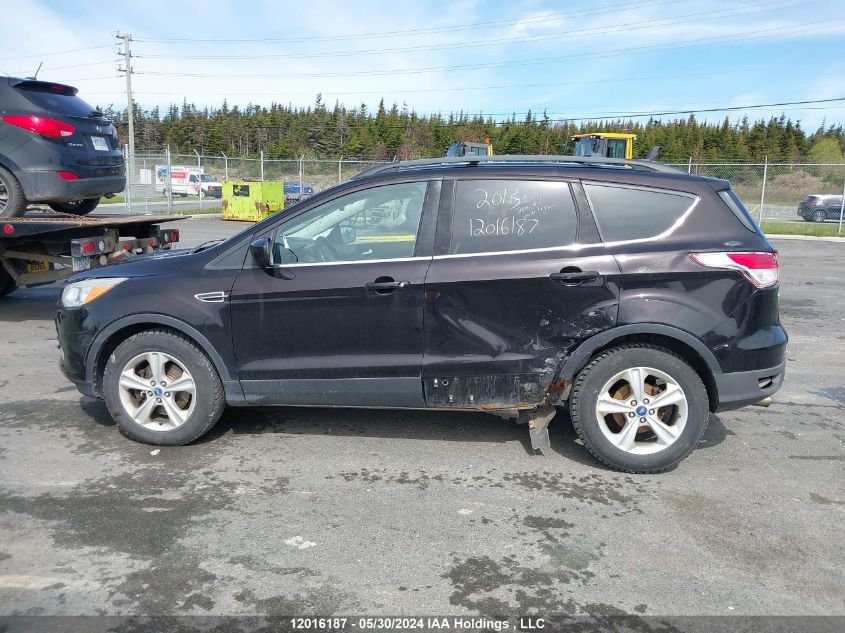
(517, 282)
(337, 319)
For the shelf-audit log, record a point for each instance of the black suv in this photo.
(641, 297)
(54, 148)
(820, 208)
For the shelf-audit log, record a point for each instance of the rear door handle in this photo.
(383, 286)
(575, 277)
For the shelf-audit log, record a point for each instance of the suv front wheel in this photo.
(639, 408)
(160, 388)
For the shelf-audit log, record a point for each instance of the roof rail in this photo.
(471, 161)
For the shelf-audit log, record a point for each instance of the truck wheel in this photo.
(12, 199)
(639, 408)
(7, 284)
(161, 388)
(77, 207)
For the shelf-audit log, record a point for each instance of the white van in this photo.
(187, 181)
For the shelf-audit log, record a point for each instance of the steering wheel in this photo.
(324, 247)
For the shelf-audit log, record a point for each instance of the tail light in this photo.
(67, 175)
(761, 269)
(51, 128)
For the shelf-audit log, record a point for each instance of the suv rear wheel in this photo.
(639, 408)
(12, 199)
(160, 388)
(76, 207)
(819, 215)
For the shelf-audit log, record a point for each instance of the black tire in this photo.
(601, 369)
(210, 398)
(819, 215)
(77, 207)
(7, 284)
(12, 199)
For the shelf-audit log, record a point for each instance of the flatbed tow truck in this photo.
(46, 246)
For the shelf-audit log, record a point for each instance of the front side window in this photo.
(376, 223)
(625, 213)
(509, 215)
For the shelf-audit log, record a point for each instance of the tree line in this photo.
(318, 131)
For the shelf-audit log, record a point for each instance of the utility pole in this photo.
(130, 114)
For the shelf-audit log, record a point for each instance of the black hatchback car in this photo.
(54, 148)
(640, 297)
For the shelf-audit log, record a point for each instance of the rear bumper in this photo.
(741, 388)
(46, 186)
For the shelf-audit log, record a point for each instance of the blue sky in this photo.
(573, 59)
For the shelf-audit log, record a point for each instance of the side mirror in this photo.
(261, 251)
(348, 234)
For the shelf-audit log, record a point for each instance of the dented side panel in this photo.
(497, 327)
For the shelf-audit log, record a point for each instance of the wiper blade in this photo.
(206, 244)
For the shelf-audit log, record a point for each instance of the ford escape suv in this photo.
(639, 297)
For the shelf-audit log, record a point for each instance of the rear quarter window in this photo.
(510, 215)
(628, 213)
(736, 205)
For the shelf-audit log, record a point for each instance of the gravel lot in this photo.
(293, 511)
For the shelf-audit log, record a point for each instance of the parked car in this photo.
(639, 297)
(820, 208)
(293, 194)
(54, 148)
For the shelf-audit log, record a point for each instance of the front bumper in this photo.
(73, 347)
(741, 388)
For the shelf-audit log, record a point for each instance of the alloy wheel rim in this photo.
(642, 410)
(4, 196)
(157, 391)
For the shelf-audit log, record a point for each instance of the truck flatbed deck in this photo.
(44, 246)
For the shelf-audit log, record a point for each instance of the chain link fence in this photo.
(161, 182)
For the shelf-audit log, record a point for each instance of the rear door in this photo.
(519, 277)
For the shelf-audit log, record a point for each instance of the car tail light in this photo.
(8, 229)
(68, 175)
(51, 128)
(761, 269)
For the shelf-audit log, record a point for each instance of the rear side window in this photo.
(510, 215)
(624, 213)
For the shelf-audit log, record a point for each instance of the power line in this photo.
(520, 62)
(590, 32)
(65, 52)
(411, 32)
(50, 68)
(436, 90)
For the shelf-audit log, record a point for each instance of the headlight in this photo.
(85, 291)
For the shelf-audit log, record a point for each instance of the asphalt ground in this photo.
(291, 511)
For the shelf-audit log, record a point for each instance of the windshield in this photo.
(208, 178)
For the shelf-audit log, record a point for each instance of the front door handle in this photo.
(574, 277)
(386, 285)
